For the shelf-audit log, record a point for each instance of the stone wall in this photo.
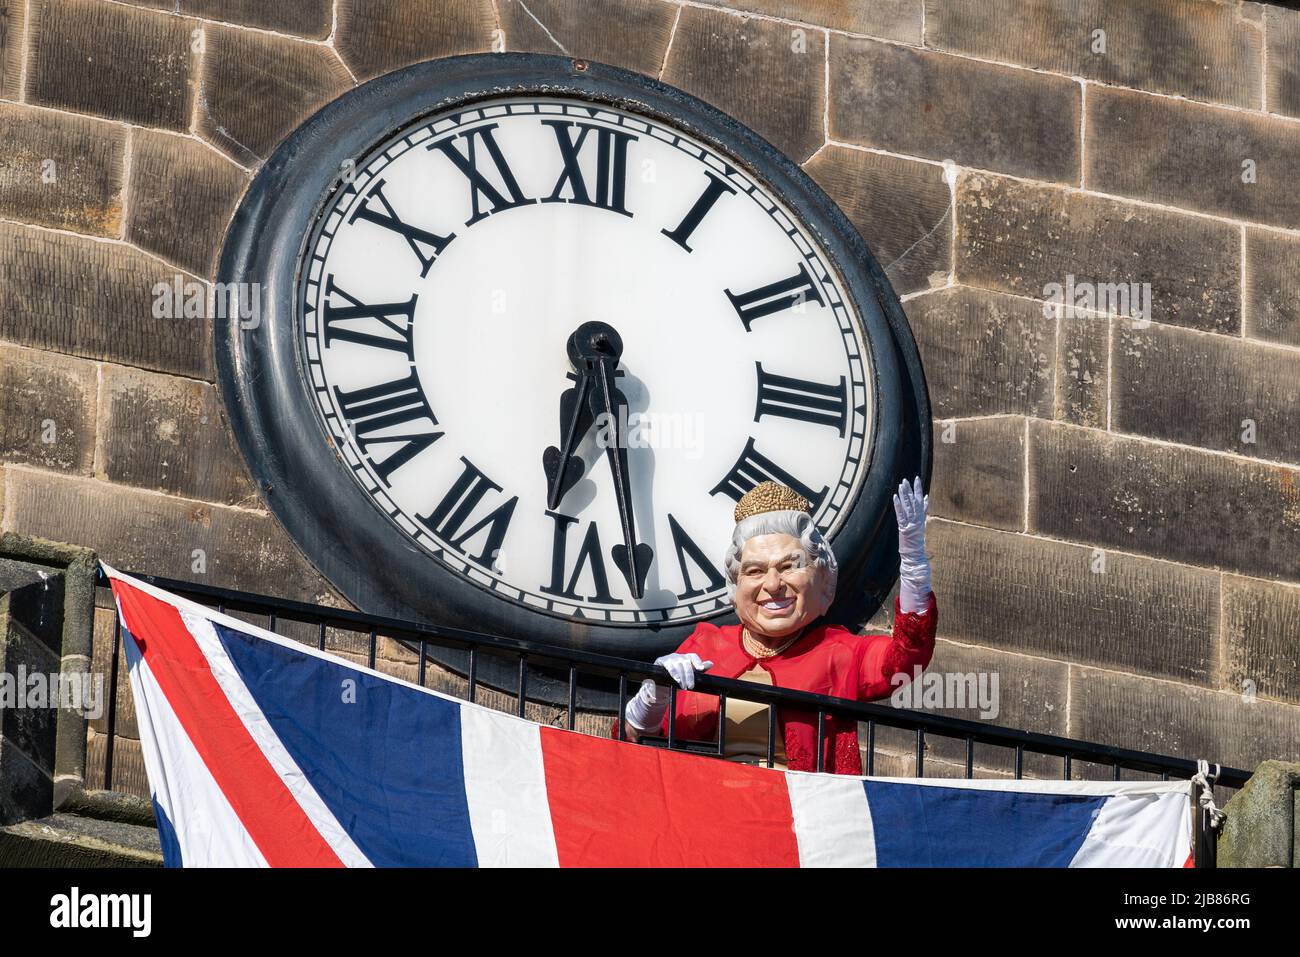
(1116, 503)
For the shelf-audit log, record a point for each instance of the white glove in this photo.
(682, 668)
(645, 711)
(910, 505)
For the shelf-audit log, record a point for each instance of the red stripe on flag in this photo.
(615, 804)
(273, 817)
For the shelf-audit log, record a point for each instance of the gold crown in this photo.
(770, 497)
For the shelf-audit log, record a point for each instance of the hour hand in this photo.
(563, 468)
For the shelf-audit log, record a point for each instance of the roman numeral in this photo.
(390, 324)
(800, 399)
(413, 234)
(378, 408)
(685, 546)
(588, 555)
(611, 166)
(753, 467)
(775, 297)
(479, 184)
(456, 507)
(712, 193)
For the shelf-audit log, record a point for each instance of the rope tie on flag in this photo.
(1206, 780)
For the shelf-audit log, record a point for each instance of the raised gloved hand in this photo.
(645, 711)
(910, 505)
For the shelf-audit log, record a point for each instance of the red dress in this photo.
(828, 660)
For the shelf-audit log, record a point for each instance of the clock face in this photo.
(529, 327)
(439, 290)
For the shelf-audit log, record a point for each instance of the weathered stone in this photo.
(1082, 346)
(31, 627)
(1211, 391)
(1204, 51)
(61, 170)
(13, 19)
(80, 842)
(379, 36)
(110, 60)
(96, 299)
(1262, 820)
(1176, 719)
(1180, 504)
(979, 471)
(903, 209)
(759, 71)
(944, 107)
(1272, 292)
(257, 88)
(305, 18)
(984, 353)
(1074, 603)
(1020, 237)
(1282, 82)
(888, 19)
(167, 433)
(633, 34)
(1261, 636)
(182, 196)
(156, 534)
(1203, 158)
(47, 409)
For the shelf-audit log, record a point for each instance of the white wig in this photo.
(817, 551)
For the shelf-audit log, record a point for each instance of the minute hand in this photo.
(632, 559)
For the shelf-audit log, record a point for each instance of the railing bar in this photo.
(1116, 770)
(672, 715)
(970, 757)
(622, 707)
(523, 684)
(771, 736)
(573, 697)
(270, 624)
(424, 659)
(320, 638)
(112, 700)
(821, 740)
(920, 752)
(1020, 761)
(871, 747)
(1067, 767)
(722, 725)
(473, 674)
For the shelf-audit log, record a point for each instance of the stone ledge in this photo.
(67, 840)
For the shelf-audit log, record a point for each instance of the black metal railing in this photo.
(577, 665)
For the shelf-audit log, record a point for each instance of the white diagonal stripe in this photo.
(241, 699)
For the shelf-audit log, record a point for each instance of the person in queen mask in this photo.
(781, 577)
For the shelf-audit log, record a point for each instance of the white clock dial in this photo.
(437, 295)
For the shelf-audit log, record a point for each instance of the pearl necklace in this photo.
(757, 650)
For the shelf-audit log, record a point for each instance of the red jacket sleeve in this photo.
(911, 645)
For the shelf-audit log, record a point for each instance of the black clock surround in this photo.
(305, 482)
